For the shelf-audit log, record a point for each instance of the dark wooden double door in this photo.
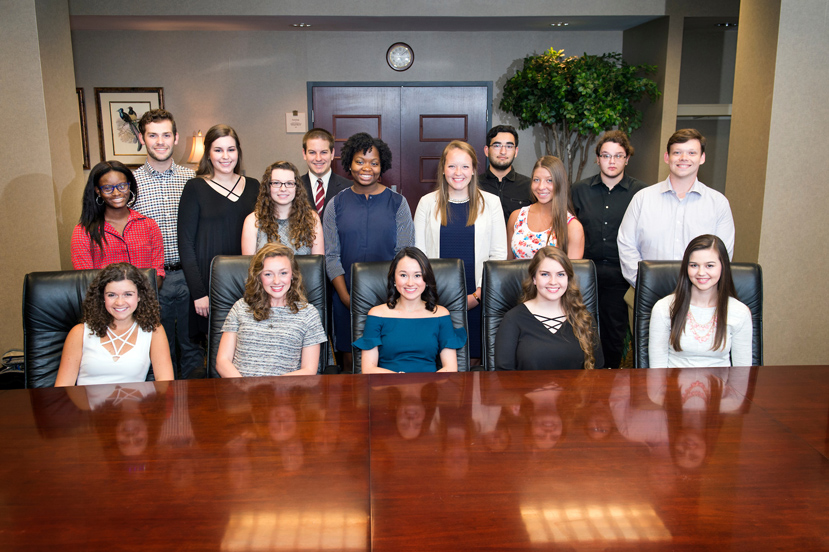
(415, 121)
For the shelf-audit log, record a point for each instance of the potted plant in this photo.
(576, 98)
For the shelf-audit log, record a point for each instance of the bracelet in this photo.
(475, 295)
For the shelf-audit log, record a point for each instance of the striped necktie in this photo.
(319, 200)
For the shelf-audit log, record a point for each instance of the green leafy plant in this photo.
(576, 98)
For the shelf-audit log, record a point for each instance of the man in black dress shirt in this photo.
(600, 202)
(500, 178)
(320, 182)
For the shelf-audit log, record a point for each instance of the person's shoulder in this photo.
(736, 306)
(520, 178)
(664, 304)
(380, 311)
(489, 197)
(440, 310)
(634, 184)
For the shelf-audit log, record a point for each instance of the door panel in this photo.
(415, 121)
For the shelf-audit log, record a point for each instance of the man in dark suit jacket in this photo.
(321, 183)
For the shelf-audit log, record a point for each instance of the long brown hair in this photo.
(561, 203)
(476, 199)
(682, 292)
(571, 302)
(301, 220)
(147, 312)
(255, 295)
(216, 132)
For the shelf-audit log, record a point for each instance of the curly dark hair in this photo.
(92, 212)
(571, 302)
(362, 141)
(301, 220)
(430, 294)
(95, 315)
(255, 295)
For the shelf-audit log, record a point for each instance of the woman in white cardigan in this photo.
(459, 221)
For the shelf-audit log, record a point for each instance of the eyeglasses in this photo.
(498, 145)
(277, 184)
(617, 157)
(109, 188)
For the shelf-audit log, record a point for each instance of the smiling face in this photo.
(612, 160)
(501, 151)
(458, 173)
(705, 269)
(159, 139)
(408, 279)
(684, 159)
(543, 186)
(550, 280)
(116, 199)
(121, 300)
(318, 153)
(224, 155)
(365, 168)
(276, 279)
(283, 195)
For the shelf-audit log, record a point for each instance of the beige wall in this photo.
(794, 231)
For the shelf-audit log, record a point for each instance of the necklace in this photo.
(701, 332)
(230, 191)
(464, 200)
(122, 340)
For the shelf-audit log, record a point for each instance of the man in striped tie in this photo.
(321, 183)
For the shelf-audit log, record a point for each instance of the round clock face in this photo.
(400, 56)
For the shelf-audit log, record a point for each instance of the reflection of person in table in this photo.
(410, 332)
(120, 334)
(366, 222)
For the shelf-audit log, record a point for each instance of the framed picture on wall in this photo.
(119, 110)
(84, 133)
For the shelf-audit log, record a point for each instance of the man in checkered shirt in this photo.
(160, 183)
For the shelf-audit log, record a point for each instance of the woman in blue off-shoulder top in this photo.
(410, 332)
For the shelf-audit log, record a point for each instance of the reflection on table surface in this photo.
(601, 460)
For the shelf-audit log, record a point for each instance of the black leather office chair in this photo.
(368, 289)
(228, 274)
(501, 291)
(53, 305)
(657, 279)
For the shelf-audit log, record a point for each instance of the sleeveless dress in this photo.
(410, 344)
(525, 242)
(97, 365)
(284, 231)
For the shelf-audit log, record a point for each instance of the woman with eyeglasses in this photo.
(549, 221)
(283, 214)
(109, 231)
(211, 214)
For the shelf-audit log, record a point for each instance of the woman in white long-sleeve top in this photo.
(702, 323)
(458, 220)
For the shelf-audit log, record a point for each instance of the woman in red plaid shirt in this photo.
(109, 231)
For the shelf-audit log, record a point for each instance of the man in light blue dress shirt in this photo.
(662, 219)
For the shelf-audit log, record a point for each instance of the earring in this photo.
(133, 197)
(99, 200)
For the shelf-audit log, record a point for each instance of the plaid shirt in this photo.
(158, 197)
(140, 245)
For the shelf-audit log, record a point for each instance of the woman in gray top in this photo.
(283, 214)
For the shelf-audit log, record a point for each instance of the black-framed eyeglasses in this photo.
(617, 157)
(109, 188)
(277, 184)
(498, 145)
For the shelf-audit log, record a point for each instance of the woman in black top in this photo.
(551, 329)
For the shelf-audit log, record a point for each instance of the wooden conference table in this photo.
(730, 460)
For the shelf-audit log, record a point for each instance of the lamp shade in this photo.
(197, 151)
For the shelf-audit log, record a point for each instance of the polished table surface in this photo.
(708, 459)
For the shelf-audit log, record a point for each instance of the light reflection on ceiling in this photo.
(329, 529)
(584, 523)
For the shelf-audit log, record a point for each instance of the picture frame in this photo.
(119, 110)
(84, 132)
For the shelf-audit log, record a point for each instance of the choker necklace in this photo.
(230, 192)
(464, 200)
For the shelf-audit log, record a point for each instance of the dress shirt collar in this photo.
(624, 182)
(154, 173)
(325, 179)
(509, 176)
(698, 187)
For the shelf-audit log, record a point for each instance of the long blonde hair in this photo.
(476, 199)
(571, 302)
(561, 203)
